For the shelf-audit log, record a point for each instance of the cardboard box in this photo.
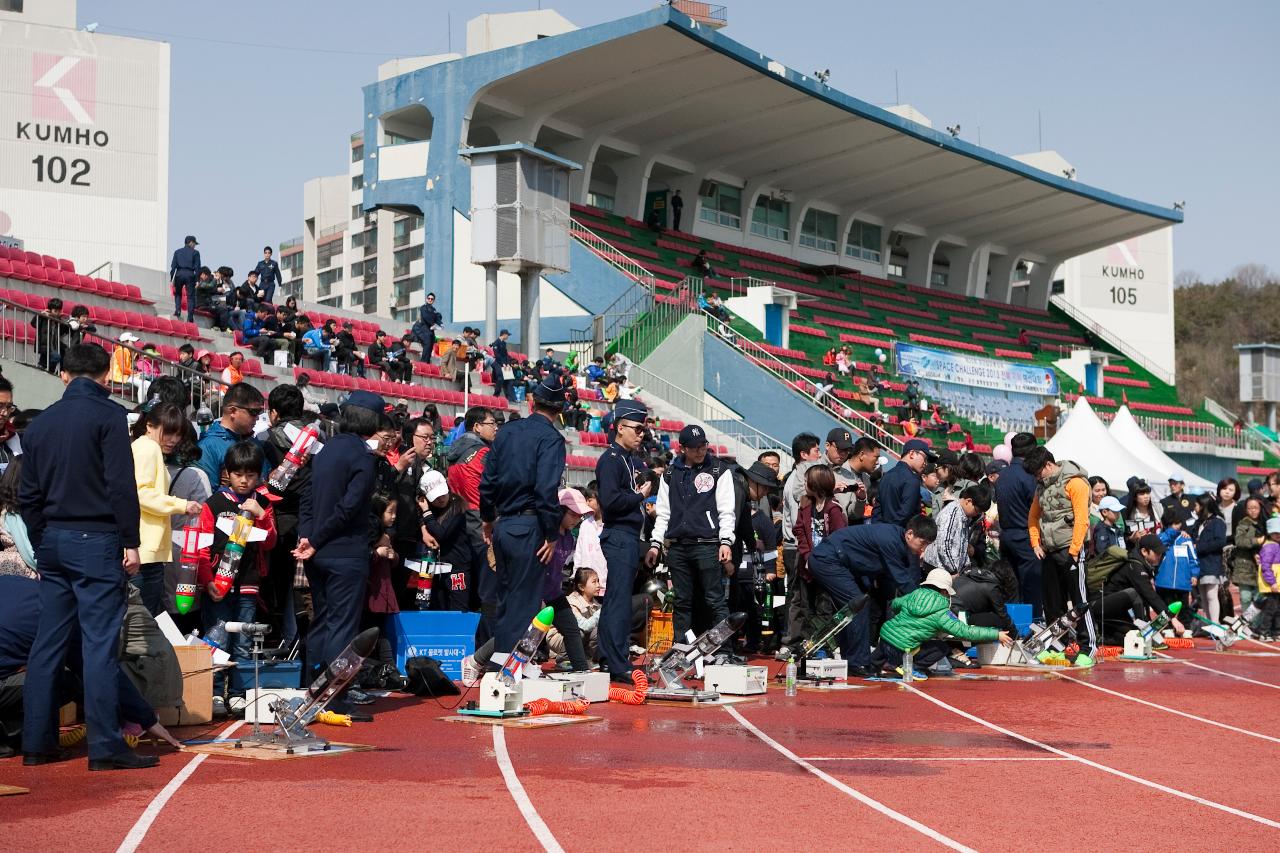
(446, 635)
(197, 688)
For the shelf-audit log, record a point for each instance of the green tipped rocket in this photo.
(527, 646)
(1162, 621)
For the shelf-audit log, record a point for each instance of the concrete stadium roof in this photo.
(660, 87)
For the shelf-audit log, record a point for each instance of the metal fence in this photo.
(38, 340)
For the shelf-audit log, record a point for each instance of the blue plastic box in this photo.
(446, 635)
(1021, 615)
(273, 674)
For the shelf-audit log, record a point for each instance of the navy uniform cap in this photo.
(630, 410)
(366, 400)
(549, 390)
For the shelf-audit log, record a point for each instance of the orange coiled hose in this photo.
(538, 707)
(631, 697)
(1180, 643)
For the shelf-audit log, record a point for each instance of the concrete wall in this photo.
(32, 388)
(759, 397)
(679, 359)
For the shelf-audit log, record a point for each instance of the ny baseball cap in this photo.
(693, 436)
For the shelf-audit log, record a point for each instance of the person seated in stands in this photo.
(145, 369)
(574, 415)
(715, 307)
(968, 442)
(208, 298)
(1024, 339)
(823, 387)
(595, 371)
(346, 353)
(829, 358)
(843, 365)
(548, 362)
(918, 617)
(232, 373)
(255, 324)
(318, 344)
(911, 426)
(398, 364)
(377, 353)
(273, 335)
(700, 265)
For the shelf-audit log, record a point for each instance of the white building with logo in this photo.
(84, 139)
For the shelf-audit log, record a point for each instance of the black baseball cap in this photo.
(841, 438)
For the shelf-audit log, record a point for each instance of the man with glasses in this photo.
(621, 496)
(465, 459)
(6, 422)
(240, 410)
(417, 449)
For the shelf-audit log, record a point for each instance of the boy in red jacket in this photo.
(243, 465)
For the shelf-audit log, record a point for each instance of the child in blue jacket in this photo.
(1180, 569)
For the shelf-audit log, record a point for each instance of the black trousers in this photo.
(695, 571)
(1062, 585)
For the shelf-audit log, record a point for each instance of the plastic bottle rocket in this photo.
(185, 594)
(237, 540)
(681, 658)
(426, 574)
(294, 458)
(833, 626)
(294, 714)
(1162, 620)
(528, 644)
(791, 676)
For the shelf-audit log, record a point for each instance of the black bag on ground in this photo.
(425, 678)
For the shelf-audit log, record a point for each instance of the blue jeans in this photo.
(82, 580)
(325, 356)
(150, 582)
(234, 607)
(621, 547)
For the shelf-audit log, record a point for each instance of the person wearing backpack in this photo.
(1120, 582)
(1057, 525)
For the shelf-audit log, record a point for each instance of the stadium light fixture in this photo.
(954, 130)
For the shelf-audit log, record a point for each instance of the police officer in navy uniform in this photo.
(268, 277)
(696, 511)
(520, 508)
(621, 497)
(183, 270)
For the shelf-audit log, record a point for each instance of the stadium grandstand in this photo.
(835, 235)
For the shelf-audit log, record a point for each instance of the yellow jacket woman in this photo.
(157, 432)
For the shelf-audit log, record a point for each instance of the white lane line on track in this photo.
(148, 817)
(536, 824)
(840, 786)
(1160, 707)
(937, 758)
(1220, 671)
(1095, 765)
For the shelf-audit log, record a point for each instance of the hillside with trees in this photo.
(1212, 317)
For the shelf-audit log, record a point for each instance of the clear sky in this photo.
(1160, 100)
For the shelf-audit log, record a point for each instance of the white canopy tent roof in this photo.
(1084, 440)
(1125, 430)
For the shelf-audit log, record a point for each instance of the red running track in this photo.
(878, 766)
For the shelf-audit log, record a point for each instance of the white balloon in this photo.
(883, 358)
(848, 413)
(879, 351)
(924, 404)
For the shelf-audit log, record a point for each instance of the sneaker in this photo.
(963, 661)
(236, 706)
(916, 675)
(359, 697)
(219, 706)
(783, 653)
(1159, 645)
(637, 650)
(124, 761)
(471, 672)
(1082, 660)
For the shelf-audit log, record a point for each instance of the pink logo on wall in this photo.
(64, 88)
(1123, 254)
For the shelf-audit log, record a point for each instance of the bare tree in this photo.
(1186, 278)
(1253, 275)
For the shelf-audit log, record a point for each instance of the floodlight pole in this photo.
(530, 334)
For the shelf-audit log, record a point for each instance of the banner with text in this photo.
(960, 369)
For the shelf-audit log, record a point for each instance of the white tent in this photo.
(1125, 430)
(1084, 440)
